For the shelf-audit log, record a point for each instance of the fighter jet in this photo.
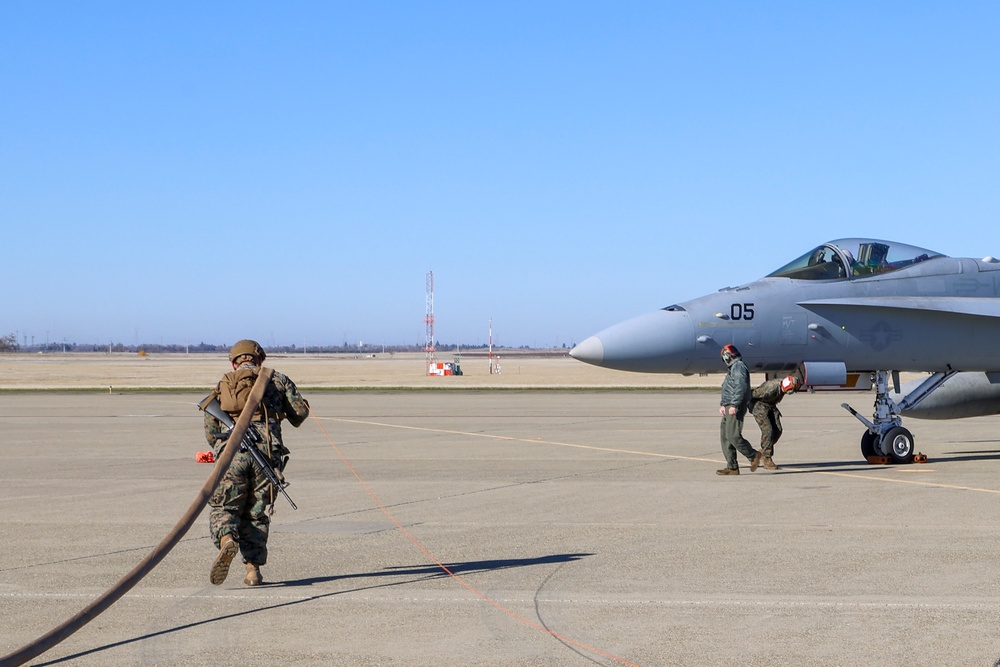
(848, 314)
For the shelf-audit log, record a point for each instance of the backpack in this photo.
(234, 389)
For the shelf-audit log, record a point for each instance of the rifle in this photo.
(248, 444)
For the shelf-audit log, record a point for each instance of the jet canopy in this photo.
(853, 258)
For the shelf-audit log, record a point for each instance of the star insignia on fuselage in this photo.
(881, 335)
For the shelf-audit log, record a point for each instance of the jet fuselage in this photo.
(937, 313)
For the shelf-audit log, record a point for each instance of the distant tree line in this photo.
(9, 343)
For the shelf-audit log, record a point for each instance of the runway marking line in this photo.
(533, 441)
(913, 482)
(777, 602)
(538, 441)
(472, 589)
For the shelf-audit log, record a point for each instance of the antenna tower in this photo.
(429, 321)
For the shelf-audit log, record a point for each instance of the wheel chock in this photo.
(920, 457)
(879, 460)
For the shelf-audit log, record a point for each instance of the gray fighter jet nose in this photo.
(659, 342)
(590, 351)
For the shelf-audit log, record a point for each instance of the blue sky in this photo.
(188, 172)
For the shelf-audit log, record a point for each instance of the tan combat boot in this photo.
(227, 551)
(769, 463)
(253, 577)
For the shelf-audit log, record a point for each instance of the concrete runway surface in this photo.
(582, 527)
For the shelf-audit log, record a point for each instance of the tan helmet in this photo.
(246, 347)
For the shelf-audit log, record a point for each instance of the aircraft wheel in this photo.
(900, 445)
(869, 441)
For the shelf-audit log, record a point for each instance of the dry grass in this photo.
(171, 371)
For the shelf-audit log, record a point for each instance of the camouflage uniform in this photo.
(242, 496)
(764, 401)
(736, 393)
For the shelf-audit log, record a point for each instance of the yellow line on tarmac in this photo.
(539, 441)
(936, 485)
(533, 441)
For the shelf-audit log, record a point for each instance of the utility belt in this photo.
(261, 418)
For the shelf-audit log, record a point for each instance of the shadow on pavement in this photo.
(415, 572)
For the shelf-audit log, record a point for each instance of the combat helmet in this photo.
(246, 347)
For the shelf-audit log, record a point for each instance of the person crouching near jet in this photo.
(764, 401)
(733, 408)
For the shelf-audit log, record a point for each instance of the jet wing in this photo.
(946, 305)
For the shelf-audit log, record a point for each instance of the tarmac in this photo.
(574, 527)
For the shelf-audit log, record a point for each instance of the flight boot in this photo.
(755, 461)
(728, 471)
(769, 463)
(228, 548)
(253, 577)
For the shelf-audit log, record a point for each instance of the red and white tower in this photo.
(429, 322)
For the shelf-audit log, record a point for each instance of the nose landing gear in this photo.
(885, 435)
(895, 443)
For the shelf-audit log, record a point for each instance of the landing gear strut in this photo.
(885, 435)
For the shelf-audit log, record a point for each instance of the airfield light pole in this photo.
(429, 322)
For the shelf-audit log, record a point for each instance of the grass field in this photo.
(113, 372)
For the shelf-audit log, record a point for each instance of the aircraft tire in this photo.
(868, 442)
(900, 445)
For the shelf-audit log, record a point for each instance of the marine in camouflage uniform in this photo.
(764, 401)
(733, 408)
(239, 518)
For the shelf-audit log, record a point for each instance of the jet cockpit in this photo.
(853, 258)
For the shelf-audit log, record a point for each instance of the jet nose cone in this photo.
(590, 351)
(659, 342)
